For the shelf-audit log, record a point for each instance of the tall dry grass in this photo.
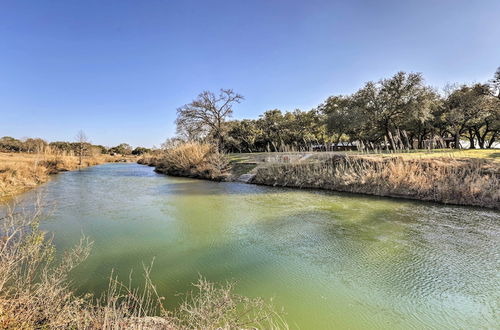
(22, 171)
(447, 180)
(36, 291)
(192, 159)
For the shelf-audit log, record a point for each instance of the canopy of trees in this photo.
(122, 149)
(400, 112)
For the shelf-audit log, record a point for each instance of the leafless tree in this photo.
(206, 114)
(82, 141)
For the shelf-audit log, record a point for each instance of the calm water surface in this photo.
(331, 260)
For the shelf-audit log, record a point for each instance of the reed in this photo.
(22, 171)
(191, 159)
(447, 180)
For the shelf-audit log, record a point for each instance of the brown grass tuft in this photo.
(22, 171)
(192, 159)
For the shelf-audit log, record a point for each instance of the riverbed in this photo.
(331, 260)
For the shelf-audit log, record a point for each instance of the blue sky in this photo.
(119, 69)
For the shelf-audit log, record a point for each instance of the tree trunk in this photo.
(391, 140)
(457, 140)
(492, 140)
(471, 139)
(81, 153)
(337, 143)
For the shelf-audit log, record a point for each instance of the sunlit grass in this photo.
(22, 171)
(493, 154)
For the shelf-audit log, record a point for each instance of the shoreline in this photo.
(449, 181)
(20, 172)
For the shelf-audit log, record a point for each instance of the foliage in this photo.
(400, 112)
(122, 149)
(140, 151)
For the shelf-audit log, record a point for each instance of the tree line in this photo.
(80, 147)
(400, 112)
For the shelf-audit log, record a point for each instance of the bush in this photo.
(140, 151)
(195, 160)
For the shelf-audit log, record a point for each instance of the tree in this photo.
(34, 145)
(207, 114)
(10, 144)
(122, 149)
(466, 111)
(140, 151)
(242, 135)
(388, 104)
(82, 141)
(341, 116)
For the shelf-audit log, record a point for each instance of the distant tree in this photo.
(390, 103)
(171, 143)
(34, 145)
(102, 149)
(10, 144)
(341, 116)
(242, 135)
(466, 110)
(82, 142)
(140, 151)
(64, 146)
(207, 114)
(122, 149)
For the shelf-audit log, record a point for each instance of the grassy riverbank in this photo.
(462, 181)
(470, 177)
(22, 171)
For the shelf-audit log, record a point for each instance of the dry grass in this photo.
(22, 171)
(492, 154)
(36, 293)
(447, 180)
(192, 159)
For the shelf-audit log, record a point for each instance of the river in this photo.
(331, 260)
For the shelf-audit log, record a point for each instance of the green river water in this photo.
(333, 261)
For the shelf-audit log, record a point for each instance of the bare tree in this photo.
(82, 141)
(206, 114)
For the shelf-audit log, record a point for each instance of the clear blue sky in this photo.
(119, 69)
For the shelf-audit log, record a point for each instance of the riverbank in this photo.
(474, 182)
(23, 171)
(470, 177)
